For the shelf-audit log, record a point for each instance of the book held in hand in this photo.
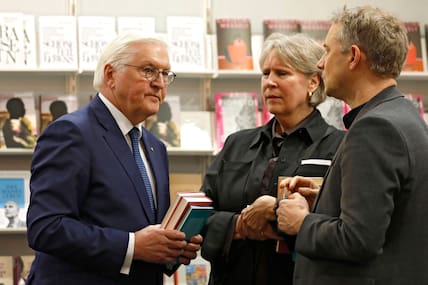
(188, 213)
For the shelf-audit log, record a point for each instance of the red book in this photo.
(179, 208)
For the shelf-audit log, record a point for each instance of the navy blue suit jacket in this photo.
(86, 196)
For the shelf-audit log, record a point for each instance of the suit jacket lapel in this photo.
(114, 138)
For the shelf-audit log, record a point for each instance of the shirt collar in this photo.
(122, 121)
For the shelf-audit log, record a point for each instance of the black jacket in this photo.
(234, 180)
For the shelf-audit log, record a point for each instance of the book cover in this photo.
(283, 26)
(14, 198)
(186, 41)
(235, 111)
(194, 220)
(417, 101)
(414, 59)
(29, 41)
(12, 40)
(144, 26)
(22, 265)
(6, 270)
(94, 33)
(18, 121)
(316, 29)
(57, 42)
(165, 124)
(54, 106)
(181, 205)
(196, 130)
(234, 44)
(197, 273)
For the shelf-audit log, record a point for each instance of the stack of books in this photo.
(188, 213)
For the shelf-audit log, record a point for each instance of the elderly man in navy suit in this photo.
(99, 184)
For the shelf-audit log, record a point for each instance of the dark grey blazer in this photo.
(368, 225)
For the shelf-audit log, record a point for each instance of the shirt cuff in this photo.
(126, 267)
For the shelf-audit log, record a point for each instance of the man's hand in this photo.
(156, 245)
(307, 187)
(291, 213)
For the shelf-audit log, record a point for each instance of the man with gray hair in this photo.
(367, 224)
(99, 183)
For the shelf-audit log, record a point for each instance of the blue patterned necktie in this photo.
(134, 134)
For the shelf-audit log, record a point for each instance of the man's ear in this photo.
(354, 56)
(108, 75)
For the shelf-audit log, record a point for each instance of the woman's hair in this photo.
(380, 35)
(301, 53)
(118, 52)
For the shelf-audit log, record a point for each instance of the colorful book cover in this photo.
(414, 59)
(6, 270)
(186, 41)
(165, 124)
(18, 121)
(14, 198)
(235, 111)
(57, 42)
(283, 26)
(52, 107)
(197, 273)
(234, 44)
(94, 33)
(316, 29)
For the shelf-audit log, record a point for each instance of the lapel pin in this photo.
(152, 149)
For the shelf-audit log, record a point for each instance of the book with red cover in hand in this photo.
(188, 213)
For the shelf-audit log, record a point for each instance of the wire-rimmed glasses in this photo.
(151, 74)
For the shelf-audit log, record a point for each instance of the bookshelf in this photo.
(196, 88)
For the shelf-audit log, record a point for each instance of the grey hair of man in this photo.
(301, 53)
(118, 52)
(379, 34)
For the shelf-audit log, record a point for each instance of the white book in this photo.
(197, 130)
(186, 40)
(57, 42)
(11, 38)
(94, 33)
(30, 46)
(144, 26)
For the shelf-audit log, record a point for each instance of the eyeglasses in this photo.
(151, 74)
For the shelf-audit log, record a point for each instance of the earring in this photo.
(310, 94)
